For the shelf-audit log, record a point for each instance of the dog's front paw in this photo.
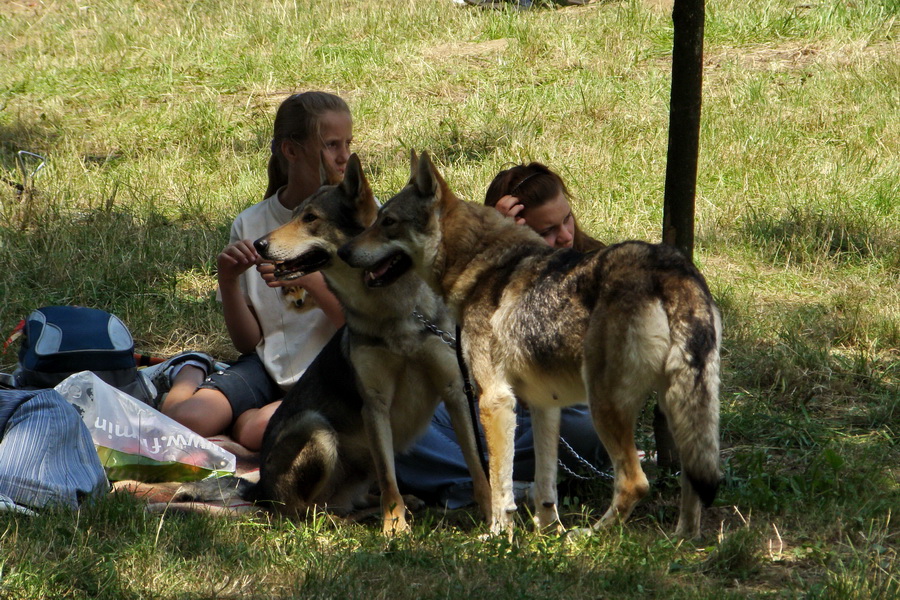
(502, 520)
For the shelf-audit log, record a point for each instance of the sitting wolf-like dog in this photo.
(374, 388)
(558, 327)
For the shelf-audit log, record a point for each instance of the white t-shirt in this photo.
(290, 339)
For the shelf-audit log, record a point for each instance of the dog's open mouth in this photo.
(308, 262)
(388, 271)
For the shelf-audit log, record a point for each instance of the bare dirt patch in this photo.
(21, 7)
(660, 5)
(476, 50)
(799, 55)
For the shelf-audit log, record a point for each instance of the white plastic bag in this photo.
(135, 441)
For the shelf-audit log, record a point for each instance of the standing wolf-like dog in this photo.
(557, 327)
(373, 390)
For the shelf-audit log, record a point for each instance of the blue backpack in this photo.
(61, 340)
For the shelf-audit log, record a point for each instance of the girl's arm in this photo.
(240, 320)
(315, 286)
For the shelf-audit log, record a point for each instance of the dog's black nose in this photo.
(261, 245)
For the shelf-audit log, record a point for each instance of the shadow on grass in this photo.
(156, 275)
(38, 136)
(807, 235)
(808, 421)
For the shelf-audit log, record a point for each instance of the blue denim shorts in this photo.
(246, 384)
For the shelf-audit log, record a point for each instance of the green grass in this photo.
(155, 117)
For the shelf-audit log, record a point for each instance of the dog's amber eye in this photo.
(309, 217)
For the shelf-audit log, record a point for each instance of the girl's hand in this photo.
(235, 259)
(267, 272)
(509, 206)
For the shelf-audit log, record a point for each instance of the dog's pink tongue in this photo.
(379, 269)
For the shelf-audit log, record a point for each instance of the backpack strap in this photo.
(15, 334)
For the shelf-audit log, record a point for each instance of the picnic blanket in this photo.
(159, 496)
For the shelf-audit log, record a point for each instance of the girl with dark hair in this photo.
(534, 195)
(276, 343)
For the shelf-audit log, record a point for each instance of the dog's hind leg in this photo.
(624, 357)
(614, 418)
(302, 465)
(545, 422)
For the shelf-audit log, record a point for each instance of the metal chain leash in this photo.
(595, 472)
(445, 336)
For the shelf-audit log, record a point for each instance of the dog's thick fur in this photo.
(557, 327)
(374, 388)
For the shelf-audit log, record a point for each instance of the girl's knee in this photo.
(250, 433)
(250, 427)
(204, 413)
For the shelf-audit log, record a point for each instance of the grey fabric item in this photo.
(162, 375)
(47, 456)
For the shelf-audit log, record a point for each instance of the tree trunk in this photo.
(684, 125)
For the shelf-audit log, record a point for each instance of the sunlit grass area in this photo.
(153, 122)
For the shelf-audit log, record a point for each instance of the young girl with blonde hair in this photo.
(276, 343)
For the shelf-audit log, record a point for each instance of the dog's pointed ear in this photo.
(426, 176)
(413, 165)
(327, 174)
(356, 186)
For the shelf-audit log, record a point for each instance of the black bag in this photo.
(61, 340)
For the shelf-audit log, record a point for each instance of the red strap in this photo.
(15, 334)
(144, 360)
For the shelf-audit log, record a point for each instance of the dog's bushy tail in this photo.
(303, 462)
(692, 404)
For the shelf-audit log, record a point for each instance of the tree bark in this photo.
(684, 124)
